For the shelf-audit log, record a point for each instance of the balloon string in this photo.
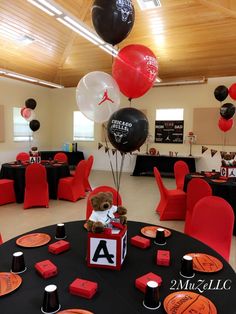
(121, 168)
(130, 100)
(116, 171)
(109, 155)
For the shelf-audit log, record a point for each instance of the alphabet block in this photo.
(228, 172)
(107, 250)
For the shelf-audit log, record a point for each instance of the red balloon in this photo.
(26, 113)
(22, 110)
(225, 125)
(232, 91)
(135, 70)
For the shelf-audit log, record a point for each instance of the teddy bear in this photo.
(103, 212)
(228, 160)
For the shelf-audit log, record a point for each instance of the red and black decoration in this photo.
(27, 112)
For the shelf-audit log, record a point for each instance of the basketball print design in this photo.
(185, 302)
(206, 263)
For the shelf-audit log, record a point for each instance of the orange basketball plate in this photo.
(33, 240)
(9, 282)
(185, 302)
(205, 263)
(150, 231)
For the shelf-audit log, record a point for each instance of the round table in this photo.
(116, 289)
(16, 172)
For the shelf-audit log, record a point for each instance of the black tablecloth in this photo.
(116, 289)
(54, 173)
(145, 163)
(226, 190)
(73, 157)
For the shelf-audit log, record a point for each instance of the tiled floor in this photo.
(139, 194)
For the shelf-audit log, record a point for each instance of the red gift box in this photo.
(46, 268)
(163, 258)
(83, 288)
(141, 242)
(58, 247)
(142, 281)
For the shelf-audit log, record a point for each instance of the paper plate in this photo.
(33, 240)
(9, 282)
(74, 311)
(185, 302)
(150, 231)
(205, 263)
(219, 180)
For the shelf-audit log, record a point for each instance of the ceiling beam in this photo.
(219, 7)
(69, 46)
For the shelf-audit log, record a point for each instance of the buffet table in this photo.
(225, 188)
(116, 289)
(16, 172)
(145, 163)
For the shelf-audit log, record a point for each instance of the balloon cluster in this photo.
(28, 113)
(227, 110)
(134, 71)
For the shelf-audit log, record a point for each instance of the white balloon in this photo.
(98, 96)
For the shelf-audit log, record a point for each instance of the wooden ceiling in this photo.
(191, 38)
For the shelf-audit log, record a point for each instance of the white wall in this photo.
(55, 113)
(14, 93)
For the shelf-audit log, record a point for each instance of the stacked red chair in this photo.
(1, 239)
(23, 156)
(172, 205)
(196, 189)
(180, 171)
(61, 157)
(7, 193)
(103, 188)
(89, 165)
(72, 188)
(212, 223)
(36, 187)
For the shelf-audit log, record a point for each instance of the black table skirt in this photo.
(226, 190)
(165, 164)
(17, 174)
(116, 289)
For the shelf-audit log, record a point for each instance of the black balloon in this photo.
(221, 92)
(30, 103)
(227, 111)
(113, 19)
(127, 129)
(34, 125)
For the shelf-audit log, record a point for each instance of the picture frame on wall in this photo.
(169, 131)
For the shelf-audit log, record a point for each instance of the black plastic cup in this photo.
(187, 267)
(60, 232)
(18, 263)
(152, 298)
(50, 300)
(160, 237)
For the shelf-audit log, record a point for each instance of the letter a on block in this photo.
(102, 247)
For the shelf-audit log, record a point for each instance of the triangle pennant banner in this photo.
(100, 145)
(204, 149)
(106, 149)
(232, 155)
(113, 151)
(213, 152)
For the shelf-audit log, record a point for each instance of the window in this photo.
(170, 114)
(21, 129)
(83, 128)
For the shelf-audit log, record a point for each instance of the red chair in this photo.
(89, 165)
(23, 156)
(180, 171)
(172, 205)
(36, 186)
(61, 157)
(196, 189)
(212, 223)
(103, 188)
(7, 193)
(72, 188)
(1, 239)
